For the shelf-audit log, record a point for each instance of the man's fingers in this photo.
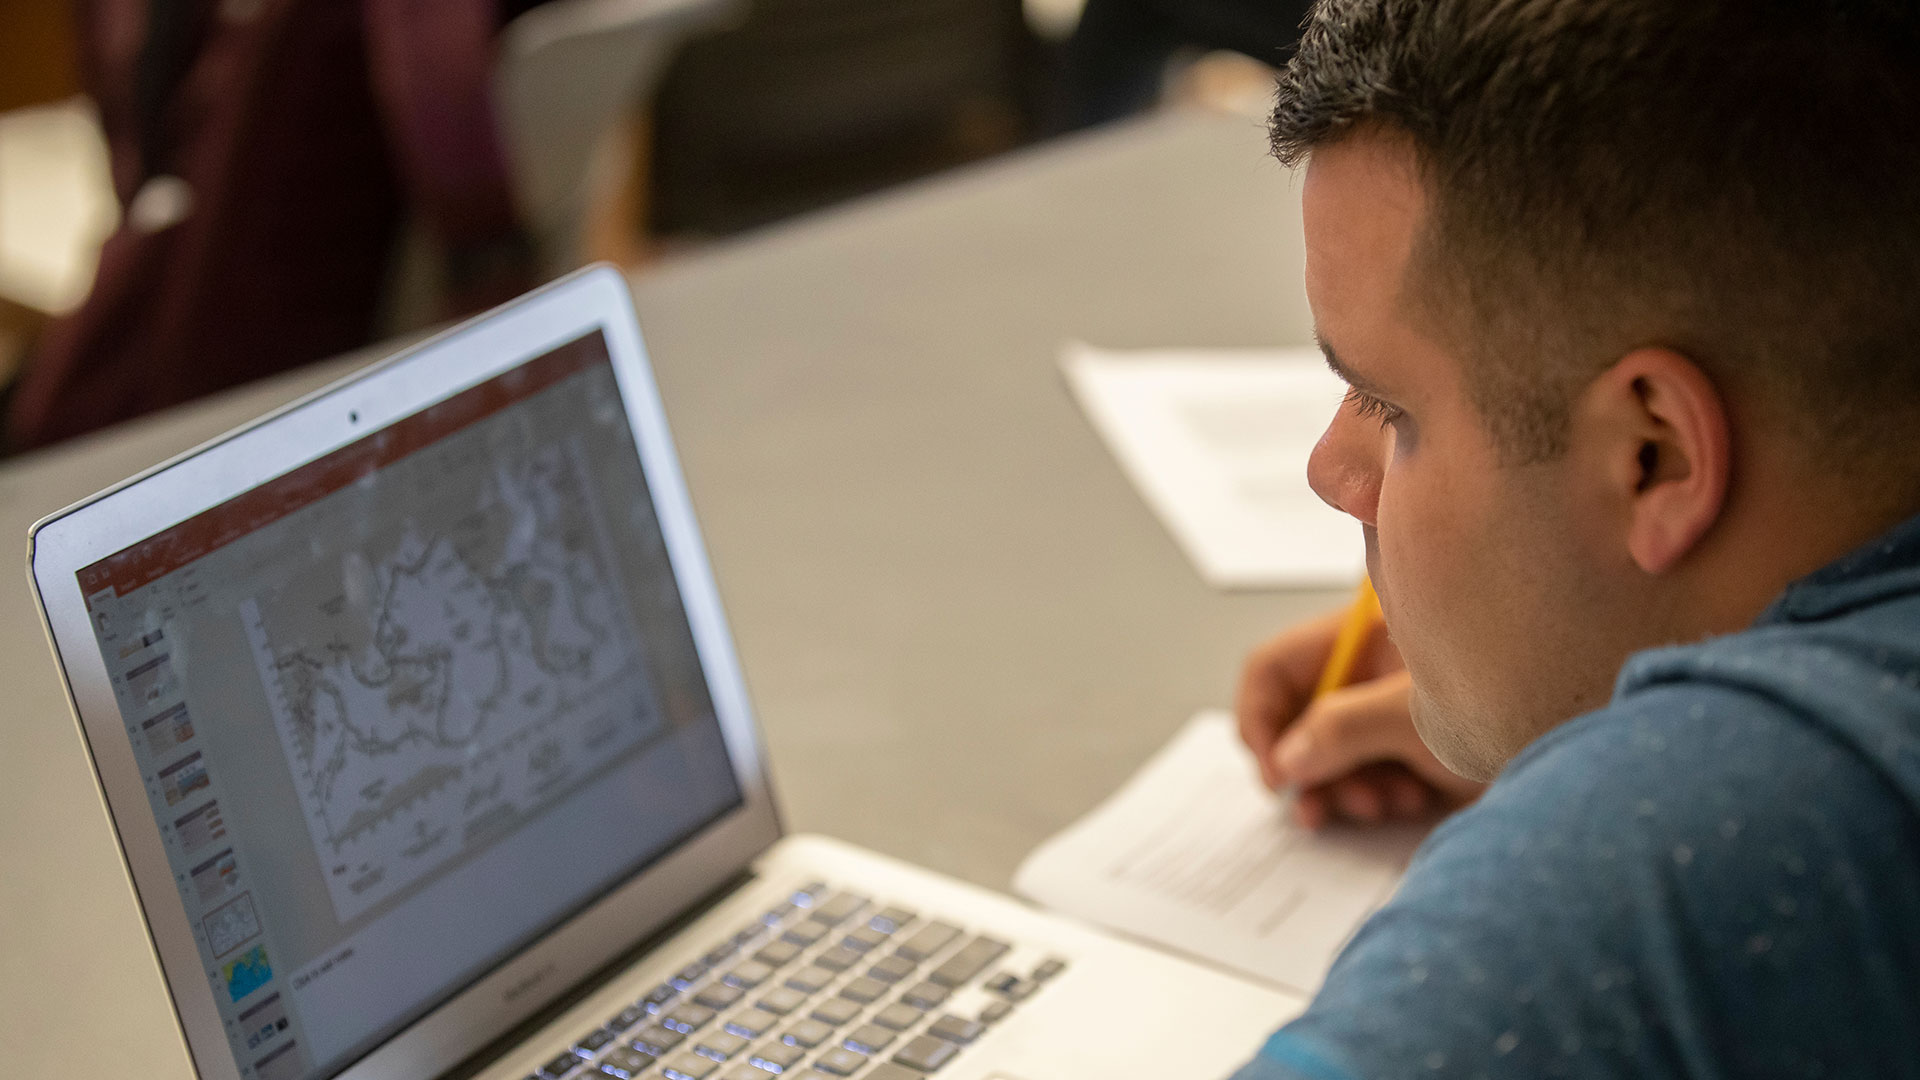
(1350, 728)
(1313, 808)
(1276, 683)
(1360, 801)
(1380, 792)
(1362, 797)
(1278, 679)
(1411, 799)
(1366, 733)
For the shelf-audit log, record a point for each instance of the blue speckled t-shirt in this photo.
(1717, 875)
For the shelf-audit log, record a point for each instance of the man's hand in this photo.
(1354, 753)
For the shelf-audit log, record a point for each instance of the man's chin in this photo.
(1451, 735)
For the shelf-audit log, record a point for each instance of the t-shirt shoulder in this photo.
(1694, 874)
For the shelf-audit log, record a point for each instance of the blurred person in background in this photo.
(265, 154)
(1117, 58)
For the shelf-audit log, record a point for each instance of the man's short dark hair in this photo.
(1735, 179)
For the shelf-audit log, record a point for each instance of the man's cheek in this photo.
(1400, 578)
(1408, 535)
(1423, 561)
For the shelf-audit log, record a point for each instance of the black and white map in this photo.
(435, 686)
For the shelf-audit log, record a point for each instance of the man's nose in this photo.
(1344, 469)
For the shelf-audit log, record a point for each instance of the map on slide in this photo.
(435, 688)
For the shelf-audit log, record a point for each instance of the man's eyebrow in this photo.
(1347, 374)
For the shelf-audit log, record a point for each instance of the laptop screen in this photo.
(407, 707)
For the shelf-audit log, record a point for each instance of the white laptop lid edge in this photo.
(64, 542)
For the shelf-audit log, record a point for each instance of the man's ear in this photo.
(1662, 426)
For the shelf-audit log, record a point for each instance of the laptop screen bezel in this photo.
(204, 478)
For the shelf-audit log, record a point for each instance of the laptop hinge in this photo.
(581, 990)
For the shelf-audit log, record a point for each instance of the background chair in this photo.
(808, 102)
(569, 73)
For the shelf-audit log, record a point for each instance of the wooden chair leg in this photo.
(19, 327)
(618, 198)
(37, 54)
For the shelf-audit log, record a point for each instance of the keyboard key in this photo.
(749, 975)
(835, 1011)
(865, 938)
(837, 909)
(1049, 968)
(689, 975)
(1021, 989)
(628, 1017)
(864, 990)
(887, 1070)
(928, 940)
(869, 1038)
(890, 919)
(776, 1057)
(783, 1000)
(1002, 982)
(656, 1040)
(777, 953)
(687, 1065)
(995, 1012)
(926, 995)
(809, 894)
(719, 956)
(956, 1029)
(926, 1053)
(719, 995)
(593, 1041)
(899, 1016)
(747, 933)
(719, 1045)
(659, 996)
(752, 1023)
(892, 969)
(810, 979)
(561, 1065)
(622, 1061)
(807, 933)
(745, 1072)
(808, 1034)
(840, 1061)
(838, 958)
(688, 1017)
(971, 960)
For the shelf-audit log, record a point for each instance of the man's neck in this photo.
(1777, 531)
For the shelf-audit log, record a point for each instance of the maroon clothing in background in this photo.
(299, 132)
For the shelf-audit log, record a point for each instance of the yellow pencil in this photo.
(1361, 618)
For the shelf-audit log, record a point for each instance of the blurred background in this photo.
(198, 193)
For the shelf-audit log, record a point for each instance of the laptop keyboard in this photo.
(826, 986)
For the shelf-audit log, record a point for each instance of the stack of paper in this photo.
(1193, 853)
(1217, 443)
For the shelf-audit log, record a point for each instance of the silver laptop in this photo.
(418, 720)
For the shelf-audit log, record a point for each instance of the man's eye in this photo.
(1365, 404)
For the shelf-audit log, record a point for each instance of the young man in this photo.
(1628, 294)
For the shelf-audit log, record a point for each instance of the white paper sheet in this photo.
(1193, 853)
(1217, 443)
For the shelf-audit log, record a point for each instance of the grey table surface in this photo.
(960, 625)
